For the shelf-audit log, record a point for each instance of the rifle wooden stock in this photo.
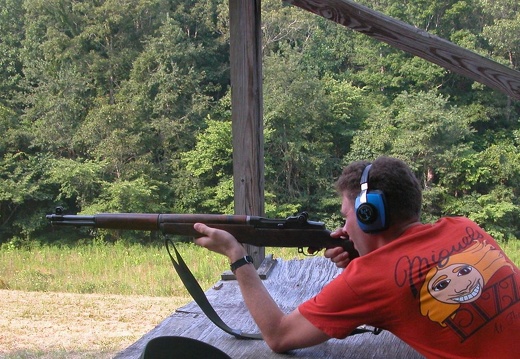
(296, 231)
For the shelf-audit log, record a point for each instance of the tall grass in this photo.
(123, 269)
(116, 269)
(512, 250)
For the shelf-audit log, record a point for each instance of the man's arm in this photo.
(282, 332)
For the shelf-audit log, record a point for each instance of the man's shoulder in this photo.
(450, 221)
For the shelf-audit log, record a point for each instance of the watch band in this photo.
(241, 262)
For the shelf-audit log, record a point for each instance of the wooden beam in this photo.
(246, 114)
(417, 42)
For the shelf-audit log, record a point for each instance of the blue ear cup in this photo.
(370, 206)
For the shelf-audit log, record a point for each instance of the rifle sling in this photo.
(200, 298)
(196, 292)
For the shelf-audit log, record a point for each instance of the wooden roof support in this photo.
(417, 42)
(247, 117)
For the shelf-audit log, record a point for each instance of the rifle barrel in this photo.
(71, 220)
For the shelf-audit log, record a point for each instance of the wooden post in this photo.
(247, 116)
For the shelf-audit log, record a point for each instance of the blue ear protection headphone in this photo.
(370, 206)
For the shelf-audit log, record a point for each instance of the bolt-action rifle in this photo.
(295, 231)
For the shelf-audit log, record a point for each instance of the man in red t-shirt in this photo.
(447, 289)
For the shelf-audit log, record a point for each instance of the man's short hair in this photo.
(394, 178)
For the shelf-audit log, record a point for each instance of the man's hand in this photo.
(219, 241)
(338, 255)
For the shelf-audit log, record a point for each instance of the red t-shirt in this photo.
(446, 289)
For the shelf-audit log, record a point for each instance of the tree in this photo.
(502, 30)
(11, 35)
(309, 124)
(490, 193)
(24, 194)
(206, 183)
(419, 128)
(180, 74)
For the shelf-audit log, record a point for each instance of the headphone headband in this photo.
(364, 183)
(364, 176)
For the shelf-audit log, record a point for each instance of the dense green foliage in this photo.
(124, 105)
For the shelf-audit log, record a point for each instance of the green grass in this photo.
(512, 250)
(109, 269)
(114, 269)
(123, 269)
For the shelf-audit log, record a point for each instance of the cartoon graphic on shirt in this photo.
(458, 280)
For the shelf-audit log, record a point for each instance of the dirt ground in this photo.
(65, 325)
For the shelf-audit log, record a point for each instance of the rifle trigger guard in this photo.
(306, 253)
